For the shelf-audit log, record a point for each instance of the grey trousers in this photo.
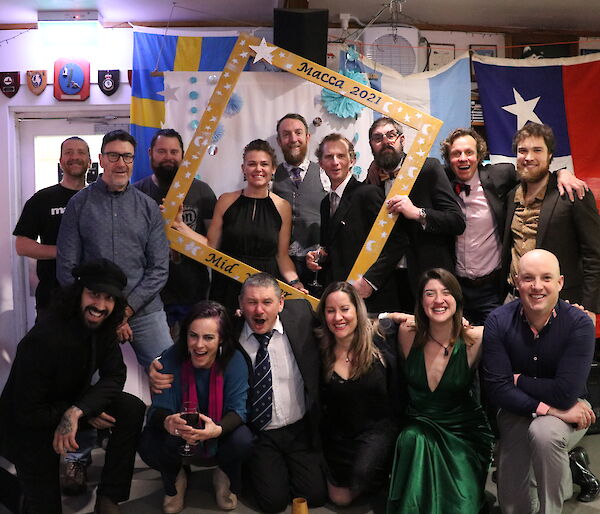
(533, 463)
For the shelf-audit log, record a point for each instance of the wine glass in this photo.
(315, 287)
(189, 412)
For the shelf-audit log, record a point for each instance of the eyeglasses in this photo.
(391, 136)
(114, 157)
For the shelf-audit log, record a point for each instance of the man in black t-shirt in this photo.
(42, 215)
(188, 280)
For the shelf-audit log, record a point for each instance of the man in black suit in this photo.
(538, 217)
(482, 192)
(300, 182)
(286, 461)
(430, 215)
(347, 215)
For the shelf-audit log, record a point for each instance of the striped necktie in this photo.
(261, 394)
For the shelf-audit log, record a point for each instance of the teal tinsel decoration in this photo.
(340, 105)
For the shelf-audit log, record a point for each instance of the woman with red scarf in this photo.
(212, 375)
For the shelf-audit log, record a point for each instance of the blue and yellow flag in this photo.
(153, 51)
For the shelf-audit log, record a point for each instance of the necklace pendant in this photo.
(445, 352)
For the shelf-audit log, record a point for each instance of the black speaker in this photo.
(303, 32)
(593, 387)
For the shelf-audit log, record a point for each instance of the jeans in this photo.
(150, 336)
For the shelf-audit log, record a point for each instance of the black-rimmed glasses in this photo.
(391, 136)
(115, 156)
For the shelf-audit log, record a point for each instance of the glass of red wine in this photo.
(189, 412)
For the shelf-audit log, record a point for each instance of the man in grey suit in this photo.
(300, 182)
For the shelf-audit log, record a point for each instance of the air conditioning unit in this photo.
(395, 47)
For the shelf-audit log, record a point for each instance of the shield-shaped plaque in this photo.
(108, 81)
(10, 82)
(37, 81)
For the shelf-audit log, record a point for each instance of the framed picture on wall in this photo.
(440, 54)
(488, 50)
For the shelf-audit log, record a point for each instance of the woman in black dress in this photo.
(252, 225)
(359, 428)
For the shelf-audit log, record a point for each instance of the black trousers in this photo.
(284, 465)
(37, 462)
(159, 450)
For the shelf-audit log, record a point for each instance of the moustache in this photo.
(94, 310)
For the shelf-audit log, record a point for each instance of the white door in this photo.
(40, 136)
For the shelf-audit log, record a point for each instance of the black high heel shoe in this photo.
(582, 476)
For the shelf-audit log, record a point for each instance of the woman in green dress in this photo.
(442, 455)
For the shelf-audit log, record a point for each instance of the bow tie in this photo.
(460, 186)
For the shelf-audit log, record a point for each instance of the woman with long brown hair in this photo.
(443, 454)
(359, 427)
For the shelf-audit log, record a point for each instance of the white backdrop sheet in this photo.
(263, 98)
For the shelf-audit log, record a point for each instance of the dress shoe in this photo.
(226, 500)
(582, 476)
(175, 504)
(74, 482)
(104, 505)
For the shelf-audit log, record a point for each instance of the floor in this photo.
(146, 492)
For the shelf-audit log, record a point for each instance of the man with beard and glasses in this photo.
(538, 217)
(42, 215)
(51, 397)
(188, 281)
(430, 215)
(300, 181)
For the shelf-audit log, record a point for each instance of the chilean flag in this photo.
(563, 93)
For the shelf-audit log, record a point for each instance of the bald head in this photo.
(539, 283)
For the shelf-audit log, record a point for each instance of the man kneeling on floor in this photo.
(48, 400)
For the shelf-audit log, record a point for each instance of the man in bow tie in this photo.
(481, 191)
(429, 215)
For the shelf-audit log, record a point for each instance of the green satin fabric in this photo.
(443, 454)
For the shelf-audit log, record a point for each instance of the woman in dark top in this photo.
(211, 374)
(252, 225)
(358, 426)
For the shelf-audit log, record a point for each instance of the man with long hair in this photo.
(48, 400)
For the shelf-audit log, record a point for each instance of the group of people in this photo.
(288, 403)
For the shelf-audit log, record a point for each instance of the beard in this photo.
(75, 168)
(165, 173)
(294, 156)
(388, 158)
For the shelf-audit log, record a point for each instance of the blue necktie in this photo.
(296, 177)
(261, 394)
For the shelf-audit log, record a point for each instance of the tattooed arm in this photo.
(64, 435)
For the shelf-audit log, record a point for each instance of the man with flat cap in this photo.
(49, 399)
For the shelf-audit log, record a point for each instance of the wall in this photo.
(30, 50)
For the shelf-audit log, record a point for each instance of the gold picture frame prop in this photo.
(246, 47)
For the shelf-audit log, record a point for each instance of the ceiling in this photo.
(575, 16)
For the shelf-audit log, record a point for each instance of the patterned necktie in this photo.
(296, 177)
(460, 186)
(261, 394)
(334, 201)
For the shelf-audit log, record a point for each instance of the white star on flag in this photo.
(192, 248)
(263, 51)
(523, 109)
(185, 164)
(169, 93)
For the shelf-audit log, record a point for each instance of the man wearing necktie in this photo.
(283, 361)
(299, 181)
(346, 220)
(481, 191)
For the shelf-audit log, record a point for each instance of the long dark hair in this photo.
(209, 309)
(362, 347)
(66, 305)
(421, 320)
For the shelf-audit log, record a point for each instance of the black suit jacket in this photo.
(298, 322)
(571, 231)
(343, 237)
(432, 246)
